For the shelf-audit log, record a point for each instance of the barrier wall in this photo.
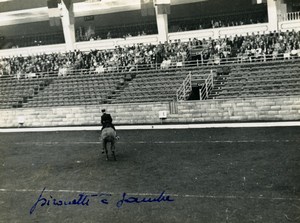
(256, 109)
(220, 32)
(25, 51)
(111, 43)
(83, 46)
(289, 25)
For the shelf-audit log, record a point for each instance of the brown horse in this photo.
(108, 135)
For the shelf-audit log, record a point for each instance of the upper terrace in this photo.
(99, 18)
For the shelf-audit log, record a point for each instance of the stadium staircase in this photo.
(78, 89)
(276, 78)
(152, 86)
(185, 89)
(16, 93)
(206, 83)
(113, 95)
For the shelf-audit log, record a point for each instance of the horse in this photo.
(108, 135)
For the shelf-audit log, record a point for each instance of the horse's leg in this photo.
(105, 148)
(102, 141)
(112, 146)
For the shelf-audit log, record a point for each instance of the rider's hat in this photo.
(103, 110)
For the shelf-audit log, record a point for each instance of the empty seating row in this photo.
(280, 79)
(76, 90)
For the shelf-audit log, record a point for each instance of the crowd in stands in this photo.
(217, 22)
(251, 47)
(7, 42)
(93, 33)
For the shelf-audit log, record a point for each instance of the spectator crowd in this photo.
(251, 47)
(217, 22)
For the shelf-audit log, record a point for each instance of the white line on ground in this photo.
(153, 194)
(160, 142)
(147, 127)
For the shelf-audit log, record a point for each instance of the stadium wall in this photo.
(236, 110)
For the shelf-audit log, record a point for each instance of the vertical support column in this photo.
(272, 15)
(162, 26)
(281, 10)
(68, 23)
(216, 33)
(162, 9)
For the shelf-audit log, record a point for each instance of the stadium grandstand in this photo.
(170, 53)
(204, 95)
(73, 53)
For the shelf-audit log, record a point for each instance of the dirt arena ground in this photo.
(192, 175)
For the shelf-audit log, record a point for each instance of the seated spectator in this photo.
(179, 64)
(287, 54)
(100, 69)
(30, 75)
(63, 71)
(18, 74)
(166, 63)
(131, 66)
(274, 54)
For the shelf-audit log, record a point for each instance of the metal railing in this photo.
(290, 16)
(210, 63)
(207, 87)
(185, 89)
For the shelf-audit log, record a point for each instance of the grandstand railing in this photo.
(291, 16)
(185, 89)
(174, 65)
(207, 87)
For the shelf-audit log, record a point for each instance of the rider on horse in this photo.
(106, 121)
